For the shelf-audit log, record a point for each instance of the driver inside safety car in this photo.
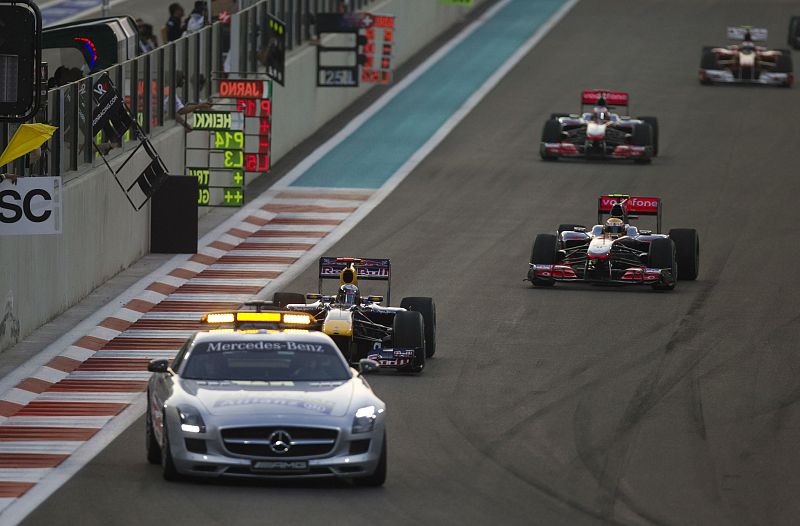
(348, 295)
(614, 227)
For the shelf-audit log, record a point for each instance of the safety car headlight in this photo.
(191, 421)
(364, 421)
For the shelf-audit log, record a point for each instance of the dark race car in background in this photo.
(363, 326)
(631, 256)
(794, 32)
(599, 133)
(746, 62)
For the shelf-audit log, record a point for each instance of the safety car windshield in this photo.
(269, 361)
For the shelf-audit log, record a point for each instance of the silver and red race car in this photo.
(615, 252)
(599, 133)
(746, 62)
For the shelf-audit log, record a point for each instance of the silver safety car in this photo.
(264, 404)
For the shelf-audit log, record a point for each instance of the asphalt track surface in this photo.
(572, 405)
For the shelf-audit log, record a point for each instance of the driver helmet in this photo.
(348, 295)
(614, 226)
(601, 114)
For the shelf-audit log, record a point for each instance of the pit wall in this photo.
(42, 276)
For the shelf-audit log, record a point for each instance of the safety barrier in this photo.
(153, 82)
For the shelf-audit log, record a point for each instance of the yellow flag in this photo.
(27, 138)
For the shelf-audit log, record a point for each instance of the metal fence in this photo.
(153, 83)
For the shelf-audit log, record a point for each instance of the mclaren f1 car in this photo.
(365, 326)
(614, 251)
(746, 62)
(600, 133)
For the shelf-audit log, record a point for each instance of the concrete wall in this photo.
(42, 276)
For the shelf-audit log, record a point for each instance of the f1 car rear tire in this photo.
(794, 32)
(642, 135)
(427, 308)
(653, 122)
(345, 345)
(661, 255)
(377, 477)
(168, 470)
(408, 332)
(282, 299)
(543, 253)
(151, 444)
(550, 133)
(687, 252)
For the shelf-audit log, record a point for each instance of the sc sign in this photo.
(32, 206)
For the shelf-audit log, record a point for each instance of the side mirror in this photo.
(367, 366)
(158, 366)
(314, 297)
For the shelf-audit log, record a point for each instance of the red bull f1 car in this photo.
(746, 62)
(600, 133)
(614, 251)
(364, 326)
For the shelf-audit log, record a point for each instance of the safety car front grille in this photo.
(259, 441)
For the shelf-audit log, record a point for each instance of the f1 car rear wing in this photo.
(626, 207)
(756, 34)
(367, 269)
(604, 97)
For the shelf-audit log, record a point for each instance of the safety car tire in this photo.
(151, 444)
(377, 477)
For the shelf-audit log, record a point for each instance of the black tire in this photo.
(642, 135)
(427, 308)
(568, 227)
(168, 470)
(550, 133)
(709, 60)
(408, 332)
(554, 116)
(377, 477)
(543, 253)
(794, 32)
(653, 122)
(687, 252)
(783, 64)
(282, 299)
(151, 444)
(661, 255)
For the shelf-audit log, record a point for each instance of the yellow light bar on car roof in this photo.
(220, 317)
(296, 319)
(258, 316)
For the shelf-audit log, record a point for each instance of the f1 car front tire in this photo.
(687, 250)
(427, 308)
(408, 332)
(653, 122)
(550, 133)
(543, 253)
(642, 135)
(661, 255)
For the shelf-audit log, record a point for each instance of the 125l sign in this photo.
(31, 206)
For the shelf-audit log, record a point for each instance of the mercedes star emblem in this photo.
(280, 441)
